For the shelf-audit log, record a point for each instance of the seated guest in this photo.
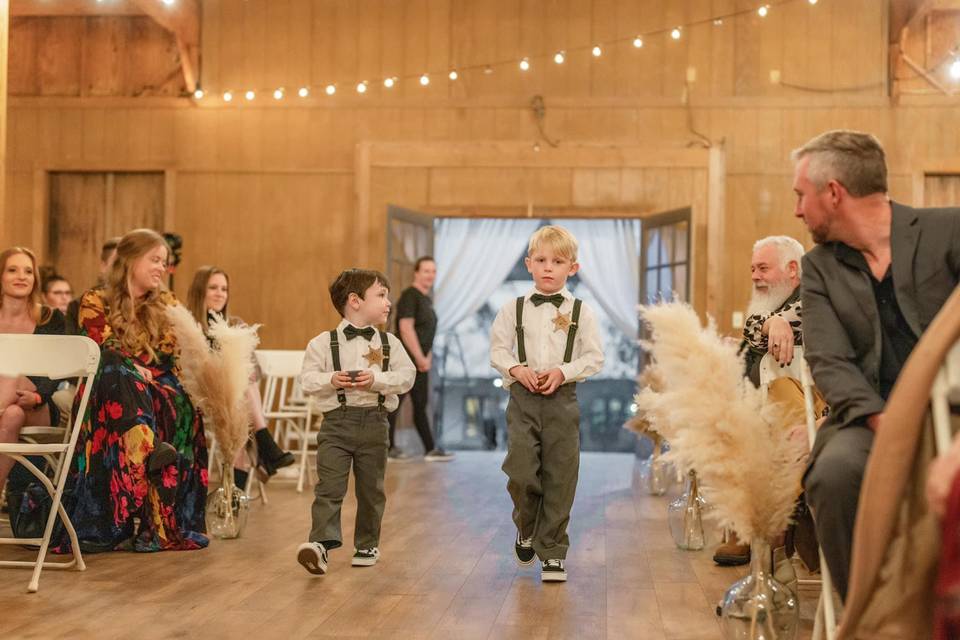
(108, 253)
(24, 401)
(57, 292)
(207, 299)
(879, 275)
(141, 454)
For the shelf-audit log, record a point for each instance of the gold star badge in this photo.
(374, 356)
(561, 322)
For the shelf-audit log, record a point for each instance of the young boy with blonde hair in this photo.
(355, 374)
(543, 343)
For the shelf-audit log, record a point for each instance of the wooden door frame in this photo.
(949, 166)
(707, 211)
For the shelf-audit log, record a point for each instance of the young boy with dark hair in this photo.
(354, 374)
(543, 343)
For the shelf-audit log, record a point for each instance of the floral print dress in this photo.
(114, 505)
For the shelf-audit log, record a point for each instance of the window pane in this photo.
(651, 286)
(680, 282)
(666, 244)
(666, 283)
(680, 241)
(652, 250)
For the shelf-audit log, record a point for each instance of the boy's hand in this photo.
(526, 377)
(550, 380)
(364, 380)
(341, 380)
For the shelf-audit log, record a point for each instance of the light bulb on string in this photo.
(227, 96)
(389, 82)
(331, 89)
(812, 1)
(675, 34)
(169, 3)
(303, 92)
(424, 80)
(487, 70)
(525, 64)
(362, 87)
(638, 42)
(559, 57)
(597, 51)
(250, 94)
(718, 22)
(762, 11)
(955, 69)
(453, 75)
(198, 94)
(278, 94)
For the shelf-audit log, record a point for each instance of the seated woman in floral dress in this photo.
(141, 454)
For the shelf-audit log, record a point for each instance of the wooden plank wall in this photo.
(266, 189)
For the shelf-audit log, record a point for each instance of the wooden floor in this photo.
(446, 571)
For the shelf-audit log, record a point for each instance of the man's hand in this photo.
(525, 376)
(779, 339)
(550, 380)
(873, 421)
(425, 363)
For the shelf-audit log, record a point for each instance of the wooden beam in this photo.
(4, 42)
(182, 19)
(55, 8)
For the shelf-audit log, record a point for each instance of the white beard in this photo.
(769, 299)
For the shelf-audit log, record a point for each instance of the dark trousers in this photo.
(542, 465)
(419, 394)
(832, 485)
(348, 436)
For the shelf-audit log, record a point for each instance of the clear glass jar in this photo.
(686, 517)
(758, 607)
(227, 507)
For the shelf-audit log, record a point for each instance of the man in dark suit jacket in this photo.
(880, 273)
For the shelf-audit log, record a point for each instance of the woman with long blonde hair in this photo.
(24, 401)
(142, 453)
(208, 299)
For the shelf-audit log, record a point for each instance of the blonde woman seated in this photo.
(141, 465)
(24, 401)
(207, 299)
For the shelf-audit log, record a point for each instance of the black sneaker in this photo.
(523, 550)
(313, 557)
(552, 571)
(365, 557)
(439, 455)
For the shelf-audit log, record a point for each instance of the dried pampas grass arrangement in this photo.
(217, 378)
(639, 424)
(718, 423)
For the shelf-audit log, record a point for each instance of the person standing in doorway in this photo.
(417, 326)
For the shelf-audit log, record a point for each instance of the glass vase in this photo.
(686, 516)
(658, 473)
(758, 607)
(227, 507)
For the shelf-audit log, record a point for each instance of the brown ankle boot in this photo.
(732, 553)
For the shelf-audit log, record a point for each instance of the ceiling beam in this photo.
(58, 8)
(182, 19)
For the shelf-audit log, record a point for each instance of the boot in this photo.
(732, 553)
(269, 455)
(240, 478)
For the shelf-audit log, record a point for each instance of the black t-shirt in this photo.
(416, 305)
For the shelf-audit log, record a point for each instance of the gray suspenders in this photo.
(335, 353)
(571, 332)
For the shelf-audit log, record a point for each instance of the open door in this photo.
(409, 236)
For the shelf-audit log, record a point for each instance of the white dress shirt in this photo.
(543, 342)
(318, 370)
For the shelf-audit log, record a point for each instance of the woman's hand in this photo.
(144, 372)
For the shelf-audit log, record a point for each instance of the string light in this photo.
(812, 1)
(453, 74)
(718, 22)
(198, 94)
(303, 92)
(525, 64)
(250, 94)
(762, 11)
(362, 87)
(227, 96)
(425, 79)
(487, 70)
(597, 51)
(955, 69)
(559, 57)
(278, 94)
(675, 34)
(389, 82)
(169, 3)
(331, 89)
(638, 42)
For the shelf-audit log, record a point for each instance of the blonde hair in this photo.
(38, 312)
(557, 238)
(138, 324)
(197, 295)
(855, 160)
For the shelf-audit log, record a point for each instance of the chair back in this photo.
(280, 368)
(945, 391)
(798, 369)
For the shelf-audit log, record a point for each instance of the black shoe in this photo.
(269, 455)
(240, 478)
(552, 571)
(523, 550)
(313, 557)
(365, 557)
(162, 456)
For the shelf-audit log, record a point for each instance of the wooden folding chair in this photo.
(825, 622)
(292, 415)
(54, 357)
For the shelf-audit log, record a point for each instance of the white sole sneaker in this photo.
(365, 561)
(553, 576)
(312, 559)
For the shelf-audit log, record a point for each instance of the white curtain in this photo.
(474, 257)
(609, 260)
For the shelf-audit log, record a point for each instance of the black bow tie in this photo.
(538, 299)
(352, 332)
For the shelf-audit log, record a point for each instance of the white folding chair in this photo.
(945, 391)
(825, 622)
(292, 416)
(52, 357)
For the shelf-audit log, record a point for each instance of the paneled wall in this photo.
(269, 190)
